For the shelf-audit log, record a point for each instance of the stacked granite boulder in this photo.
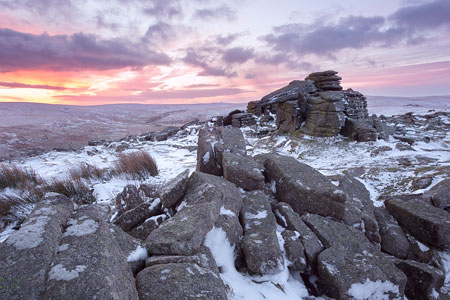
(319, 106)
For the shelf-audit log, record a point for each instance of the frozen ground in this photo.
(386, 172)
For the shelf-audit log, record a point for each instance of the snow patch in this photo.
(226, 212)
(138, 254)
(58, 272)
(375, 290)
(84, 228)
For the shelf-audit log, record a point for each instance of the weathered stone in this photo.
(233, 140)
(418, 251)
(232, 227)
(25, 256)
(422, 183)
(128, 245)
(254, 107)
(360, 130)
(295, 251)
(179, 281)
(206, 158)
(228, 120)
(355, 105)
(289, 117)
(393, 239)
(326, 81)
(424, 281)
(260, 243)
(174, 190)
(384, 131)
(143, 230)
(242, 120)
(128, 199)
(406, 139)
(89, 263)
(292, 221)
(296, 90)
(351, 261)
(427, 223)
(242, 171)
(304, 188)
(440, 194)
(203, 257)
(359, 209)
(404, 147)
(133, 217)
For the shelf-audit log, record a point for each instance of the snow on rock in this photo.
(59, 272)
(79, 229)
(244, 286)
(374, 290)
(139, 254)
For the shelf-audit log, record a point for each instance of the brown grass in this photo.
(137, 164)
(17, 177)
(87, 171)
(77, 190)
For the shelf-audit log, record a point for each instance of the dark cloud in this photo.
(160, 32)
(163, 9)
(72, 52)
(423, 16)
(200, 85)
(221, 12)
(194, 58)
(17, 85)
(237, 55)
(225, 40)
(190, 94)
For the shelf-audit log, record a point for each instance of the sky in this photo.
(198, 51)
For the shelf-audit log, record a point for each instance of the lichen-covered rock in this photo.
(304, 188)
(89, 264)
(179, 281)
(260, 242)
(350, 262)
(440, 194)
(133, 217)
(174, 190)
(242, 171)
(25, 256)
(292, 221)
(393, 239)
(326, 80)
(424, 281)
(296, 90)
(143, 230)
(289, 117)
(360, 130)
(128, 199)
(427, 223)
(242, 120)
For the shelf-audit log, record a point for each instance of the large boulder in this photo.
(351, 266)
(393, 239)
(128, 199)
(179, 281)
(26, 255)
(242, 171)
(355, 105)
(130, 247)
(427, 223)
(295, 252)
(260, 242)
(289, 219)
(296, 90)
(143, 230)
(304, 188)
(360, 130)
(359, 209)
(174, 190)
(89, 264)
(289, 117)
(326, 80)
(439, 195)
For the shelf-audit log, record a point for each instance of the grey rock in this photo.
(128, 244)
(292, 221)
(295, 252)
(89, 263)
(179, 281)
(242, 171)
(393, 239)
(128, 199)
(418, 251)
(25, 256)
(440, 194)
(174, 190)
(422, 183)
(296, 90)
(355, 105)
(232, 227)
(242, 120)
(203, 257)
(423, 280)
(289, 117)
(233, 140)
(406, 139)
(304, 188)
(260, 243)
(143, 230)
(427, 223)
(350, 260)
(206, 157)
(133, 217)
(359, 209)
(404, 147)
(360, 130)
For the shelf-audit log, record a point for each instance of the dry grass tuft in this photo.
(17, 177)
(87, 171)
(76, 189)
(137, 164)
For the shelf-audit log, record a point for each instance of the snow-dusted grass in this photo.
(136, 164)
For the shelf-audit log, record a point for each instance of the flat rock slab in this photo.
(179, 281)
(242, 171)
(89, 263)
(174, 190)
(133, 217)
(393, 239)
(260, 242)
(25, 256)
(292, 221)
(440, 194)
(295, 251)
(351, 264)
(304, 188)
(427, 223)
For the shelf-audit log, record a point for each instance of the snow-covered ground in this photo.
(382, 172)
